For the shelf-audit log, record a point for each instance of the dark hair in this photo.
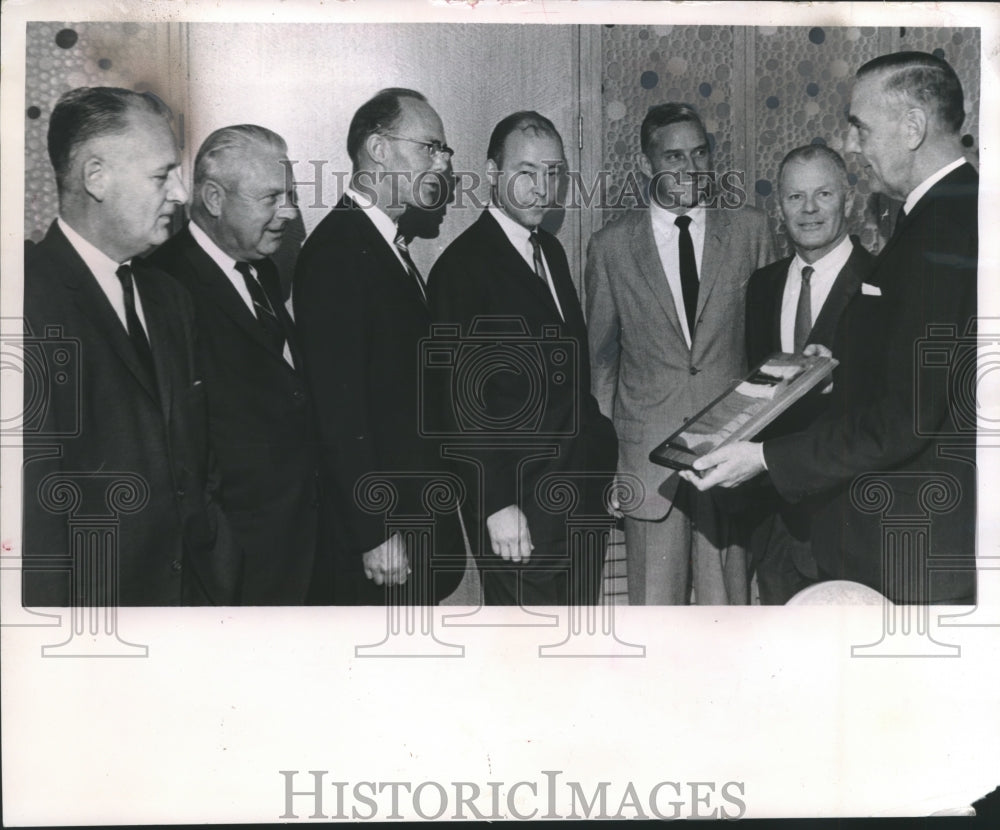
(664, 114)
(238, 138)
(86, 113)
(920, 78)
(523, 120)
(377, 113)
(809, 152)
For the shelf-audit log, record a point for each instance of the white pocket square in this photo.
(874, 290)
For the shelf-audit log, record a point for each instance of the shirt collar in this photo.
(220, 257)
(516, 233)
(386, 227)
(917, 193)
(95, 259)
(665, 218)
(831, 262)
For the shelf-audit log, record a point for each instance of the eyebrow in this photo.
(854, 121)
(681, 149)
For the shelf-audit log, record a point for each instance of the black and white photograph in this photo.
(357, 365)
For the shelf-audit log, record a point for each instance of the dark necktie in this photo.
(536, 255)
(263, 309)
(136, 333)
(411, 269)
(900, 216)
(803, 311)
(689, 271)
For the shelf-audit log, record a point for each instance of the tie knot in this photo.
(244, 269)
(400, 242)
(533, 238)
(807, 272)
(124, 274)
(682, 222)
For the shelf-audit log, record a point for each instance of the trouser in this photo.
(551, 576)
(696, 545)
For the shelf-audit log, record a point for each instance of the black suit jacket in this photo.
(261, 426)
(534, 385)
(102, 421)
(361, 318)
(899, 416)
(765, 292)
(763, 326)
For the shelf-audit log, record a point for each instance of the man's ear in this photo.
(377, 147)
(642, 161)
(914, 127)
(492, 173)
(96, 177)
(212, 194)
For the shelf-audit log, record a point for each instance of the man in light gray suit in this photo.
(665, 292)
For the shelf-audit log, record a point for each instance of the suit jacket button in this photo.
(297, 394)
(175, 565)
(180, 492)
(693, 370)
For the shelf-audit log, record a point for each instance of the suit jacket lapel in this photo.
(716, 231)
(94, 304)
(160, 331)
(268, 274)
(956, 181)
(569, 301)
(648, 261)
(844, 287)
(380, 248)
(223, 292)
(777, 295)
(513, 265)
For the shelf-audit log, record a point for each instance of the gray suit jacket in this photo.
(644, 376)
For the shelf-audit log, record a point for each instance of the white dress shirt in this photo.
(227, 265)
(825, 272)
(104, 269)
(520, 237)
(667, 237)
(929, 182)
(380, 219)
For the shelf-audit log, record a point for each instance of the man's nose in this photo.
(176, 192)
(852, 145)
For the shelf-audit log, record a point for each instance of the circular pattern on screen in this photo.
(66, 38)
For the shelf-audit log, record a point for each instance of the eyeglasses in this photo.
(435, 149)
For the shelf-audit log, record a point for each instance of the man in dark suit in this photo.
(361, 309)
(904, 419)
(790, 304)
(123, 439)
(665, 294)
(261, 423)
(505, 268)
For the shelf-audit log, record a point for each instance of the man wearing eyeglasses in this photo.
(361, 307)
(503, 270)
(261, 423)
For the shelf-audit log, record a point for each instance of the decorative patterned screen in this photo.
(763, 91)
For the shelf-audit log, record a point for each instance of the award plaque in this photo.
(745, 408)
